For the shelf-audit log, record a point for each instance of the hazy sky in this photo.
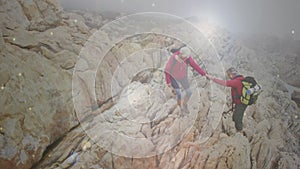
(274, 17)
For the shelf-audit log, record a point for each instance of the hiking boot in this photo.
(179, 103)
(243, 133)
(184, 111)
(185, 108)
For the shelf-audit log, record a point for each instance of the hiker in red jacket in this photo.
(176, 73)
(236, 91)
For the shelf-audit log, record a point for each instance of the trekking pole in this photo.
(226, 112)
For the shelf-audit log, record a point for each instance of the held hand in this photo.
(209, 77)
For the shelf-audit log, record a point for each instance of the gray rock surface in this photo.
(36, 99)
(40, 45)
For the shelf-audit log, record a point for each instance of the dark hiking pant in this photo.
(238, 116)
(186, 86)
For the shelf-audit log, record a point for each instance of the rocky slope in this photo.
(285, 54)
(39, 48)
(40, 45)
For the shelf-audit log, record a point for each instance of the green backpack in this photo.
(250, 91)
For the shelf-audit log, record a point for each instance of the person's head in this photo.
(184, 52)
(231, 73)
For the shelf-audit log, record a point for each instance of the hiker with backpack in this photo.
(176, 73)
(244, 92)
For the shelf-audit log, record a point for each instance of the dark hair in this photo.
(174, 50)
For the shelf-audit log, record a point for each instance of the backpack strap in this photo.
(187, 62)
(245, 97)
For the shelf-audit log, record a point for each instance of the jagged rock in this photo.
(57, 39)
(86, 145)
(32, 14)
(93, 20)
(31, 11)
(77, 21)
(4, 77)
(296, 96)
(42, 14)
(288, 160)
(47, 53)
(38, 111)
(12, 15)
(23, 39)
(41, 99)
(66, 59)
(2, 44)
(265, 155)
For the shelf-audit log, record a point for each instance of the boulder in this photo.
(23, 38)
(2, 44)
(42, 14)
(296, 96)
(36, 109)
(12, 15)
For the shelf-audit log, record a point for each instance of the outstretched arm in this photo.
(220, 82)
(228, 83)
(196, 67)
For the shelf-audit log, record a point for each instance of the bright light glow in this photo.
(153, 4)
(293, 31)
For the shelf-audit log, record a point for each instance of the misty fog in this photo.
(269, 17)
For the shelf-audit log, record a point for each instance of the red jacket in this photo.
(178, 69)
(236, 87)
